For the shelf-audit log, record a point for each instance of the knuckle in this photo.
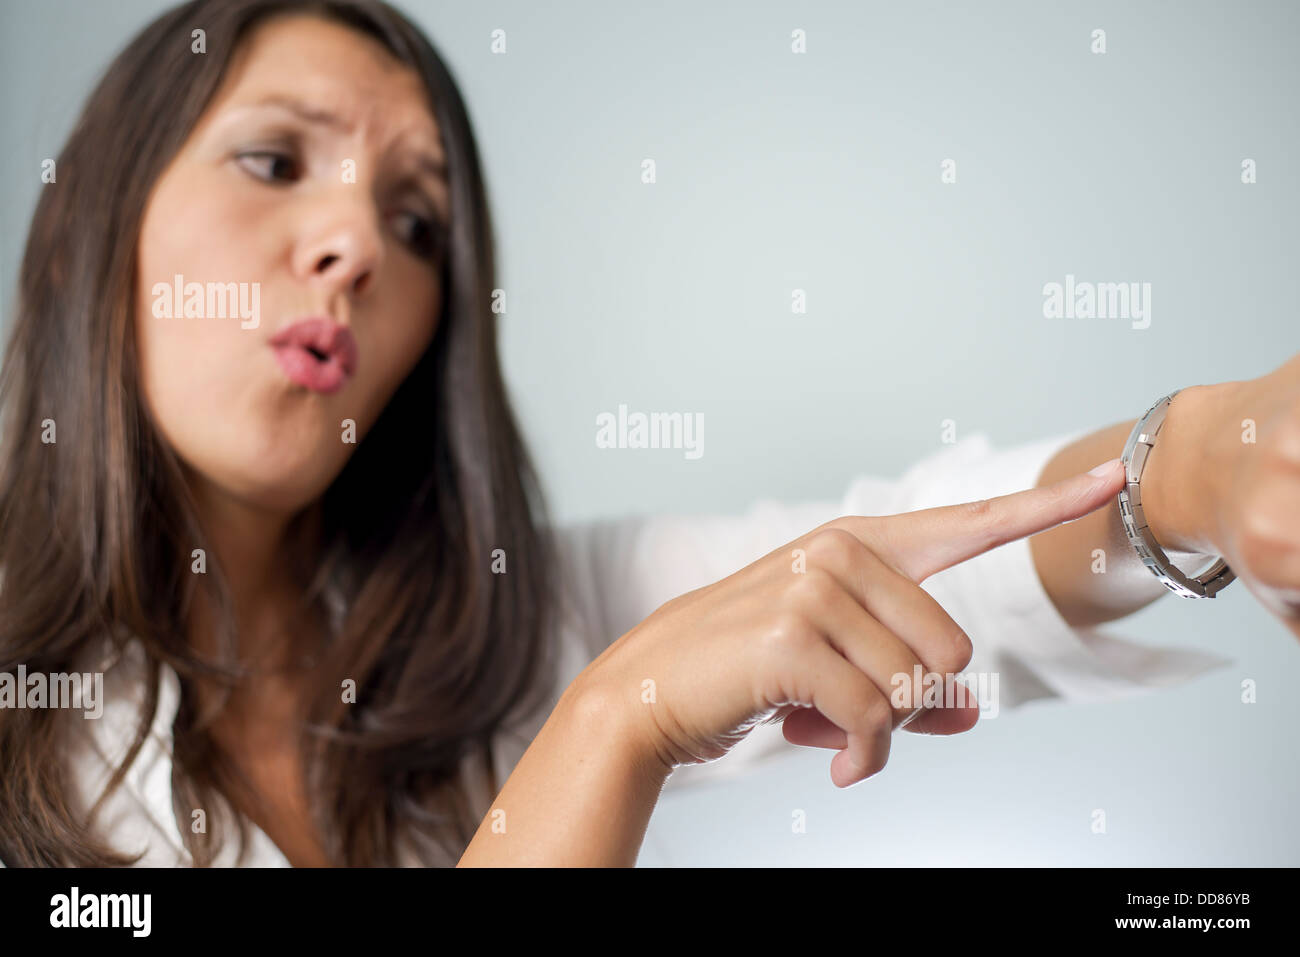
(869, 532)
(878, 717)
(878, 753)
(1265, 558)
(832, 545)
(815, 586)
(946, 647)
(1288, 428)
(879, 758)
(1258, 539)
(984, 516)
(958, 650)
(790, 633)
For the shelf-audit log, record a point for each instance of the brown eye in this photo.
(270, 166)
(424, 236)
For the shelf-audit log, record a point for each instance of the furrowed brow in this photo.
(435, 166)
(305, 111)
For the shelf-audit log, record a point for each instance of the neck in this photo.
(258, 549)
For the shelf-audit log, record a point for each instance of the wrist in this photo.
(1181, 485)
(623, 724)
(580, 796)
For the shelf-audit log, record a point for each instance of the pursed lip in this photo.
(317, 353)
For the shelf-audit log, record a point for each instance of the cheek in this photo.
(210, 385)
(186, 362)
(400, 327)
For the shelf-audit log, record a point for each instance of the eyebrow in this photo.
(435, 165)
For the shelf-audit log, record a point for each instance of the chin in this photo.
(285, 484)
(291, 490)
(284, 498)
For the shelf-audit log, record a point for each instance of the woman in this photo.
(301, 539)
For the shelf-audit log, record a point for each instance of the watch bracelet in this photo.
(1136, 450)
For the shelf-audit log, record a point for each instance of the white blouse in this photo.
(620, 571)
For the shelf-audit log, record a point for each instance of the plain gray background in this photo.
(821, 171)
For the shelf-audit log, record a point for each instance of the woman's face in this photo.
(312, 188)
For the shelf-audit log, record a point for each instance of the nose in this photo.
(341, 247)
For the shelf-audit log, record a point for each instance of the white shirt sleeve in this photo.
(620, 571)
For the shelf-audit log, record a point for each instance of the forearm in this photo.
(1173, 496)
(581, 795)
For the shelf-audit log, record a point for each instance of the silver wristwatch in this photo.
(1140, 442)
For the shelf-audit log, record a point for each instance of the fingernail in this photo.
(1102, 469)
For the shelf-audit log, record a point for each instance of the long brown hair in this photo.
(97, 528)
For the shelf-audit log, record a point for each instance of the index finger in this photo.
(919, 544)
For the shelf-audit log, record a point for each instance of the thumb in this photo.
(919, 544)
